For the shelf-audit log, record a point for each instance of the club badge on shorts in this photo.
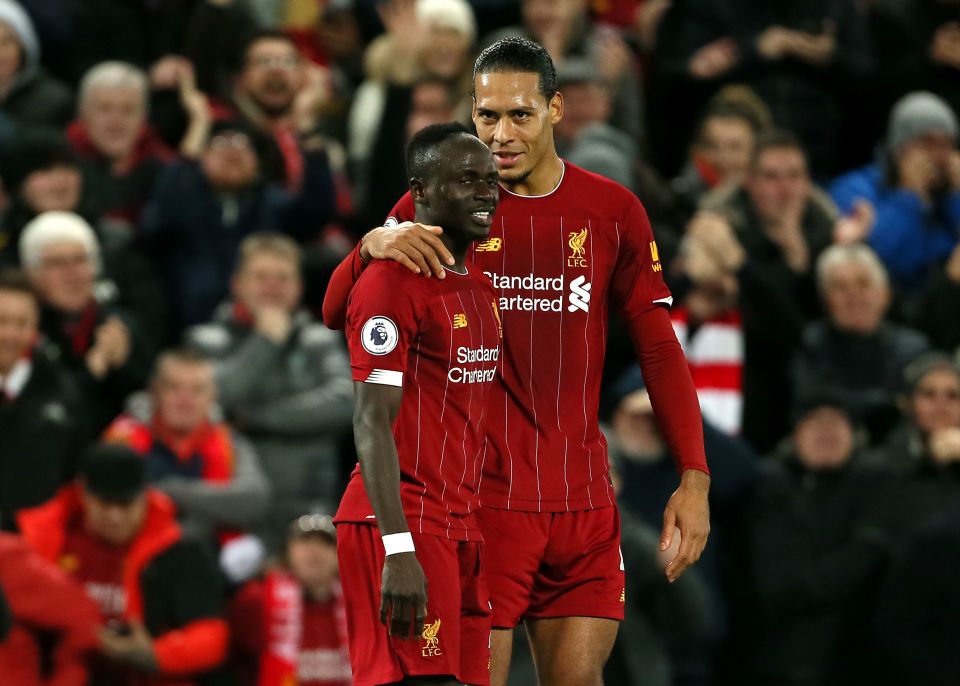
(431, 638)
(379, 335)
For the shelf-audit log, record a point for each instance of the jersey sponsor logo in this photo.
(431, 639)
(490, 245)
(579, 294)
(460, 321)
(655, 257)
(467, 355)
(379, 335)
(577, 248)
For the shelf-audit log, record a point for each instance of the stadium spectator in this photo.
(113, 135)
(940, 304)
(201, 210)
(27, 94)
(40, 411)
(159, 593)
(855, 350)
(282, 378)
(815, 555)
(83, 328)
(207, 469)
(43, 602)
(290, 625)
(914, 191)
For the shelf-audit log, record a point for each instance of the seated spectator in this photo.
(282, 378)
(208, 470)
(113, 135)
(815, 555)
(201, 210)
(43, 603)
(914, 191)
(289, 626)
(723, 146)
(40, 411)
(855, 350)
(83, 328)
(27, 95)
(159, 593)
(916, 617)
(779, 216)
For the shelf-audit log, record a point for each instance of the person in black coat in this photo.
(814, 555)
(40, 416)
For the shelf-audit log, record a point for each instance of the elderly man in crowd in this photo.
(112, 133)
(282, 378)
(82, 326)
(210, 472)
(40, 411)
(159, 593)
(855, 350)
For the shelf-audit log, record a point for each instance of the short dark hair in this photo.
(183, 355)
(12, 279)
(419, 158)
(515, 53)
(776, 138)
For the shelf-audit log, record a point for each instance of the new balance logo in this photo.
(579, 294)
(460, 321)
(490, 245)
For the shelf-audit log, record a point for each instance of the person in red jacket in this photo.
(42, 599)
(159, 593)
(290, 626)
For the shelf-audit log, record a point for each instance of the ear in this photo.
(418, 189)
(556, 107)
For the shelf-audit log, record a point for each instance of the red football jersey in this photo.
(556, 261)
(324, 658)
(440, 341)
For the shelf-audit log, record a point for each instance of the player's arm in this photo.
(416, 246)
(403, 593)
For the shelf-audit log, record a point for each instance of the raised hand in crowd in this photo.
(777, 42)
(309, 101)
(111, 347)
(647, 21)
(857, 225)
(613, 54)
(945, 445)
(714, 59)
(165, 73)
(196, 105)
(945, 48)
(399, 18)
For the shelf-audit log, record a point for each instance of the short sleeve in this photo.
(381, 323)
(637, 282)
(403, 211)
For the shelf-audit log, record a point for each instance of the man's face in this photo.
(856, 301)
(268, 280)
(65, 277)
(778, 183)
(113, 118)
(230, 162)
(55, 189)
(272, 75)
(463, 193)
(11, 53)
(313, 561)
(583, 104)
(935, 402)
(429, 104)
(183, 394)
(18, 327)
(727, 144)
(938, 147)
(824, 439)
(515, 121)
(117, 523)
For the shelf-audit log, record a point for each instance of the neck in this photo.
(457, 248)
(541, 180)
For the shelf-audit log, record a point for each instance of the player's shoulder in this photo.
(403, 211)
(388, 277)
(603, 193)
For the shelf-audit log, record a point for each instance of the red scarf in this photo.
(80, 329)
(147, 146)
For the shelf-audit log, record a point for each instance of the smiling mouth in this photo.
(506, 159)
(484, 217)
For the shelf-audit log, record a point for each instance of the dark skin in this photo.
(515, 120)
(463, 183)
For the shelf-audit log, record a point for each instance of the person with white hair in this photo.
(27, 94)
(99, 343)
(914, 190)
(855, 350)
(112, 134)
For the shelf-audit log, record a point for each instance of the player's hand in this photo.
(689, 512)
(416, 246)
(403, 595)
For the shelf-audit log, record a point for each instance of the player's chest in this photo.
(460, 329)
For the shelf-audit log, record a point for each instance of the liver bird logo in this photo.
(429, 635)
(576, 243)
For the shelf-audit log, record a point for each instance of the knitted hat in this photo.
(917, 114)
(14, 16)
(925, 363)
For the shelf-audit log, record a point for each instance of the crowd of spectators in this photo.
(180, 177)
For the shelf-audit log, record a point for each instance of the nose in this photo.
(503, 131)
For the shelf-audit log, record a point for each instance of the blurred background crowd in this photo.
(180, 177)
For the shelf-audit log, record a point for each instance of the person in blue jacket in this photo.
(913, 191)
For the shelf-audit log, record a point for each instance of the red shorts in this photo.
(553, 564)
(461, 647)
